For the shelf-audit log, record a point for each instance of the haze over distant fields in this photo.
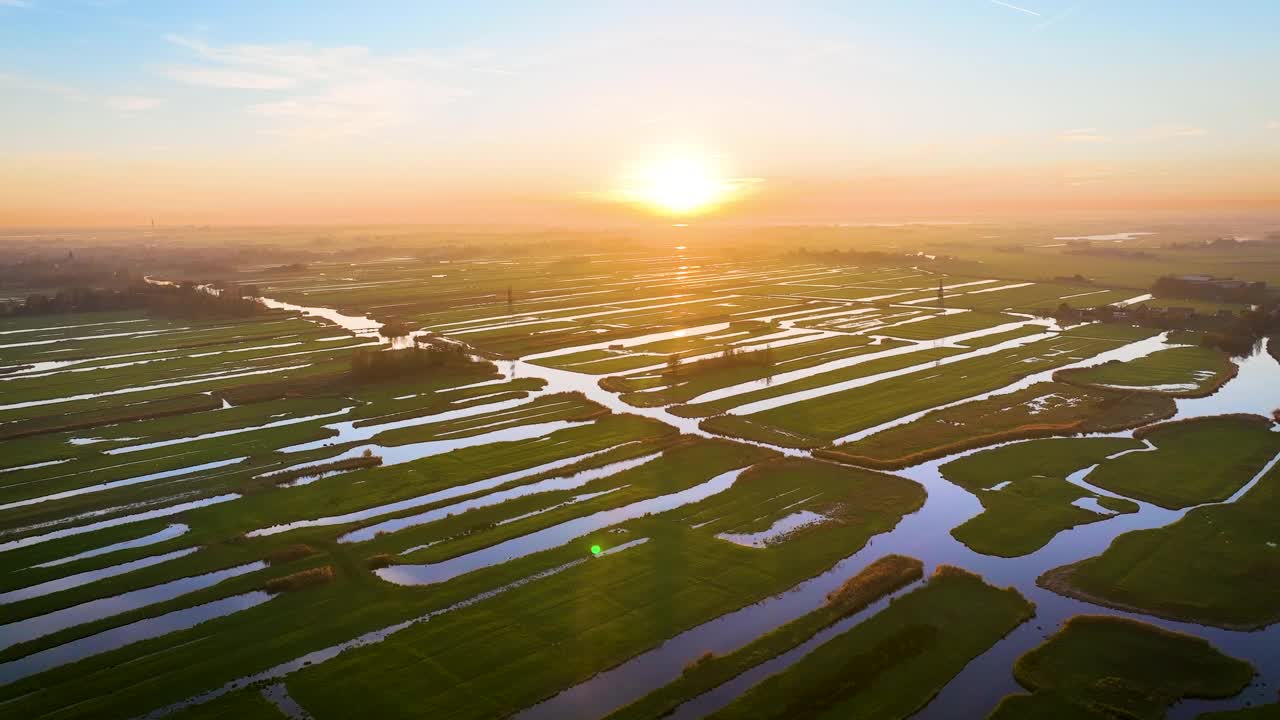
(586, 112)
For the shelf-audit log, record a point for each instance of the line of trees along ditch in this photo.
(186, 301)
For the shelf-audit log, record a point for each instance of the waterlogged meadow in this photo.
(637, 485)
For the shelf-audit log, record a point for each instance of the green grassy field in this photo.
(771, 387)
(878, 579)
(1214, 566)
(1024, 297)
(712, 561)
(943, 326)
(891, 664)
(1114, 667)
(1040, 410)
(1199, 461)
(244, 705)
(1026, 500)
(1180, 371)
(602, 613)
(821, 420)
(228, 402)
(681, 466)
(693, 379)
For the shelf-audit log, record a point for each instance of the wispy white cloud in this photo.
(301, 61)
(229, 78)
(332, 91)
(15, 3)
(130, 104)
(1083, 135)
(1015, 7)
(1273, 125)
(1169, 131)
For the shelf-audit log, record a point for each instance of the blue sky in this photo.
(525, 98)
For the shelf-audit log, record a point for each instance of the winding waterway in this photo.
(924, 534)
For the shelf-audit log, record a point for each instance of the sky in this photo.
(115, 112)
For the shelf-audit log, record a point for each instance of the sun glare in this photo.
(680, 186)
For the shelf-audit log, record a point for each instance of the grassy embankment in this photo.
(1179, 372)
(1109, 667)
(922, 355)
(822, 420)
(892, 664)
(167, 407)
(946, 325)
(258, 447)
(693, 379)
(1028, 298)
(713, 577)
(684, 463)
(622, 321)
(604, 613)
(1216, 566)
(59, 445)
(224, 354)
(1042, 410)
(219, 529)
(603, 361)
(822, 488)
(1036, 504)
(880, 578)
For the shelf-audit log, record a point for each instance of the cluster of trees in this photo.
(729, 358)
(1246, 331)
(248, 290)
(183, 301)
(373, 364)
(735, 357)
(1220, 243)
(1112, 252)
(1076, 279)
(1248, 293)
(73, 300)
(1237, 334)
(1230, 343)
(191, 302)
(65, 270)
(395, 329)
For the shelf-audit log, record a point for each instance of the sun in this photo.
(679, 186)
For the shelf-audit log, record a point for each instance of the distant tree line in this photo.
(1236, 334)
(1219, 243)
(850, 257)
(1242, 336)
(1248, 293)
(182, 301)
(374, 364)
(729, 358)
(1111, 252)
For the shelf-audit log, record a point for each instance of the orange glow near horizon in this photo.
(678, 184)
(681, 186)
(632, 114)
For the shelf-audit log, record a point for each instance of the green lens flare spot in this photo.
(595, 549)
